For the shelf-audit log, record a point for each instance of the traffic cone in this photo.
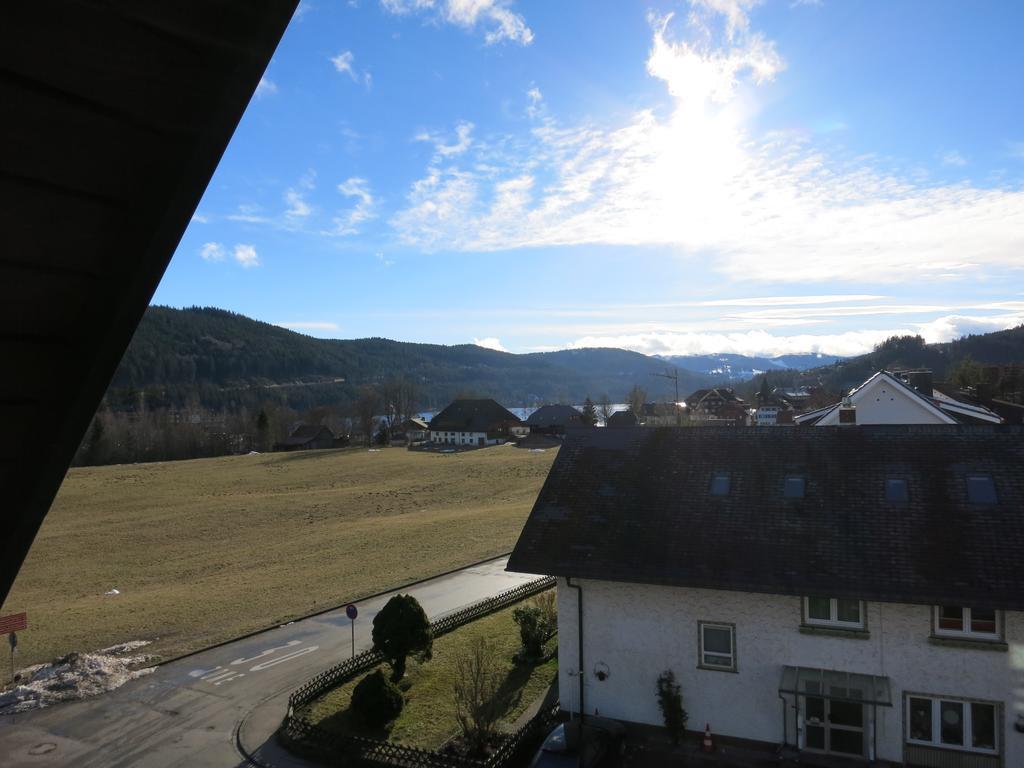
(709, 745)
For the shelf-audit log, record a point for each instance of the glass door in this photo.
(835, 726)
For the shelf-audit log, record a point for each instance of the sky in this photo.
(672, 177)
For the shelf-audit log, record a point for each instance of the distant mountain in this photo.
(908, 352)
(742, 367)
(222, 360)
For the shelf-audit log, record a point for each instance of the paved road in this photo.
(188, 711)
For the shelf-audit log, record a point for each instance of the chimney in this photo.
(847, 413)
(920, 380)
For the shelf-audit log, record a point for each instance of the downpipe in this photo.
(579, 659)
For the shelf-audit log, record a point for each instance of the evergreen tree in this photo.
(589, 412)
(262, 430)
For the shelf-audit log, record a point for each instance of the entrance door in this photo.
(834, 726)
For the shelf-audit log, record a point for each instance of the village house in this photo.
(306, 437)
(663, 414)
(621, 420)
(555, 420)
(476, 423)
(890, 398)
(716, 406)
(412, 430)
(852, 592)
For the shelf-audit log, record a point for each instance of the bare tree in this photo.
(604, 408)
(636, 398)
(365, 408)
(475, 692)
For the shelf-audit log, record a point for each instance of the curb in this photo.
(322, 611)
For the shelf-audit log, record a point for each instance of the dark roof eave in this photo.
(1012, 603)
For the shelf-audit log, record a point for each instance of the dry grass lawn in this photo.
(206, 550)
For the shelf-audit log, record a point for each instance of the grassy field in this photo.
(206, 550)
(428, 718)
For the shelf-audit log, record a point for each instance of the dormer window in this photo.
(720, 484)
(794, 487)
(896, 489)
(981, 489)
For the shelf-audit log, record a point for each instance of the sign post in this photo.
(13, 640)
(11, 625)
(352, 612)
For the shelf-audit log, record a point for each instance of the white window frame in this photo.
(731, 629)
(833, 620)
(968, 730)
(967, 632)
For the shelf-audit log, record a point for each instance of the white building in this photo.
(887, 399)
(854, 591)
(468, 423)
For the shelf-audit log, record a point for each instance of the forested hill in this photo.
(219, 359)
(908, 352)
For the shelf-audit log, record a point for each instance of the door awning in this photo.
(833, 684)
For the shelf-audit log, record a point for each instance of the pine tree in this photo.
(589, 412)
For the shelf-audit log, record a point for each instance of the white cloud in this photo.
(297, 205)
(345, 62)
(493, 17)
(952, 157)
(386, 262)
(490, 342)
(310, 325)
(249, 213)
(265, 87)
(442, 150)
(212, 252)
(763, 343)
(775, 208)
(347, 223)
(200, 218)
(246, 256)
(536, 105)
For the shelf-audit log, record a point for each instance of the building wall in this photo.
(461, 438)
(638, 631)
(881, 402)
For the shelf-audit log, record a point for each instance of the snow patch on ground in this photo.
(75, 676)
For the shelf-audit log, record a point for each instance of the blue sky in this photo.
(669, 177)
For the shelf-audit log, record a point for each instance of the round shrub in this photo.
(376, 700)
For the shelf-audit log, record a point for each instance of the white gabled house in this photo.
(886, 398)
(852, 592)
(479, 422)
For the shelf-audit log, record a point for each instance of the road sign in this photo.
(351, 611)
(13, 623)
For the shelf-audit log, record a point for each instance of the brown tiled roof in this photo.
(634, 505)
(306, 433)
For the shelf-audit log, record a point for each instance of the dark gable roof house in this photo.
(475, 423)
(555, 420)
(870, 577)
(306, 437)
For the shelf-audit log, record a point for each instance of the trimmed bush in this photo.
(402, 629)
(376, 700)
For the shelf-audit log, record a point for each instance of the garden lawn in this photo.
(428, 718)
(206, 550)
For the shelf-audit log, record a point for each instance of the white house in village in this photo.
(851, 591)
(887, 398)
(475, 423)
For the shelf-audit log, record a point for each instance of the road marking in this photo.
(219, 676)
(267, 652)
(229, 679)
(202, 672)
(286, 657)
